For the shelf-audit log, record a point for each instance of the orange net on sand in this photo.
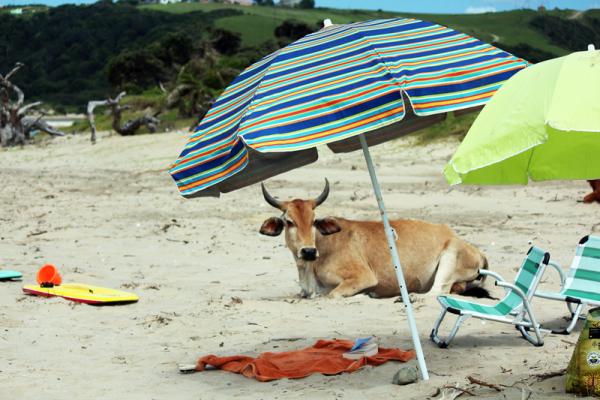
(323, 357)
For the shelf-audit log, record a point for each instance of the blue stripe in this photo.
(354, 36)
(373, 103)
(310, 97)
(181, 175)
(338, 57)
(488, 80)
(367, 66)
(456, 64)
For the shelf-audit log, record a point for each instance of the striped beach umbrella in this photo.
(347, 87)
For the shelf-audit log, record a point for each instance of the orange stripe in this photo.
(343, 80)
(427, 45)
(296, 77)
(217, 176)
(216, 128)
(459, 73)
(229, 105)
(313, 72)
(326, 133)
(303, 60)
(468, 80)
(342, 35)
(322, 105)
(455, 101)
(278, 99)
(443, 58)
(188, 159)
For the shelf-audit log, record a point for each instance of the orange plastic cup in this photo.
(48, 274)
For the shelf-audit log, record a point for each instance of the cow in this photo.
(338, 257)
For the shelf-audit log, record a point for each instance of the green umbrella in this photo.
(543, 124)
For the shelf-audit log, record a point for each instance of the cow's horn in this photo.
(270, 199)
(323, 196)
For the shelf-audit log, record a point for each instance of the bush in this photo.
(570, 34)
(291, 30)
(307, 4)
(225, 42)
(527, 52)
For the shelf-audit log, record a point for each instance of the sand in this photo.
(208, 283)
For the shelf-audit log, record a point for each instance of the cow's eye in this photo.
(289, 223)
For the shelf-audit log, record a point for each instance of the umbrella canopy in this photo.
(543, 124)
(331, 86)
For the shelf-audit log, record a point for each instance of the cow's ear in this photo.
(272, 226)
(327, 226)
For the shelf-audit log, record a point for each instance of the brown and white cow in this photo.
(341, 257)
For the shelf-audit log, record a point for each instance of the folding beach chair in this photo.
(581, 286)
(514, 308)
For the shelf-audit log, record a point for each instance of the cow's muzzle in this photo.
(309, 253)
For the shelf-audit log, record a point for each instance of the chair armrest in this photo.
(487, 272)
(514, 288)
(494, 275)
(560, 271)
(520, 293)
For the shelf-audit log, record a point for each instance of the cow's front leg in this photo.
(351, 286)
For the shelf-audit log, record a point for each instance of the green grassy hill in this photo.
(510, 30)
(71, 57)
(258, 23)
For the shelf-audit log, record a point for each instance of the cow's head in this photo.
(299, 222)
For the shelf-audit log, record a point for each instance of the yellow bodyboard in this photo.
(83, 293)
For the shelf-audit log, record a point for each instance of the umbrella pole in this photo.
(389, 233)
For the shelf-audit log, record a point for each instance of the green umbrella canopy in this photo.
(543, 124)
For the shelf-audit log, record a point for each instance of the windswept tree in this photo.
(130, 127)
(15, 127)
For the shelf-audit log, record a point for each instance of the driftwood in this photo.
(479, 382)
(126, 129)
(547, 375)
(15, 128)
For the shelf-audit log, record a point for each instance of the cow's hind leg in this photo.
(445, 274)
(355, 284)
(459, 263)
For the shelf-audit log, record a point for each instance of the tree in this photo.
(269, 3)
(225, 42)
(175, 48)
(291, 30)
(526, 52)
(126, 129)
(74, 43)
(135, 69)
(306, 4)
(15, 128)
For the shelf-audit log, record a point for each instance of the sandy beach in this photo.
(209, 283)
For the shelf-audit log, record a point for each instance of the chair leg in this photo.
(574, 318)
(570, 307)
(537, 340)
(435, 338)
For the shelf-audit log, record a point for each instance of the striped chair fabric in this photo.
(526, 280)
(583, 279)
